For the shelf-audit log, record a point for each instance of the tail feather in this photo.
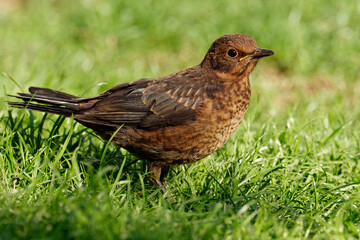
(51, 93)
(43, 108)
(47, 100)
(50, 101)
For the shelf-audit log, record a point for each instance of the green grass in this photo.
(291, 170)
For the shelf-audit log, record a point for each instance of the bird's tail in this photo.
(47, 100)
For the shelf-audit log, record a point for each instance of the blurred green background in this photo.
(74, 45)
(290, 171)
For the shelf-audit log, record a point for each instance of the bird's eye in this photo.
(232, 53)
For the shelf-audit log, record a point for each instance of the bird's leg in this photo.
(155, 175)
(164, 172)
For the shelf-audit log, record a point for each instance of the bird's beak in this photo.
(262, 52)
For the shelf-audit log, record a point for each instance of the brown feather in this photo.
(176, 119)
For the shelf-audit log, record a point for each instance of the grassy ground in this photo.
(291, 170)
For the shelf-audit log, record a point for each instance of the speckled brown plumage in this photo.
(177, 119)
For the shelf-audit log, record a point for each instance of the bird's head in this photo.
(234, 55)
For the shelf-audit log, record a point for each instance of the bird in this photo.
(177, 119)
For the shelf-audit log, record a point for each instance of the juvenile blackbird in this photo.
(177, 119)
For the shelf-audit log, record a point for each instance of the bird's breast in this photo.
(224, 113)
(216, 119)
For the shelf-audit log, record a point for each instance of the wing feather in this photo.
(149, 104)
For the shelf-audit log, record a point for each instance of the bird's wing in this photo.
(170, 101)
(149, 104)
